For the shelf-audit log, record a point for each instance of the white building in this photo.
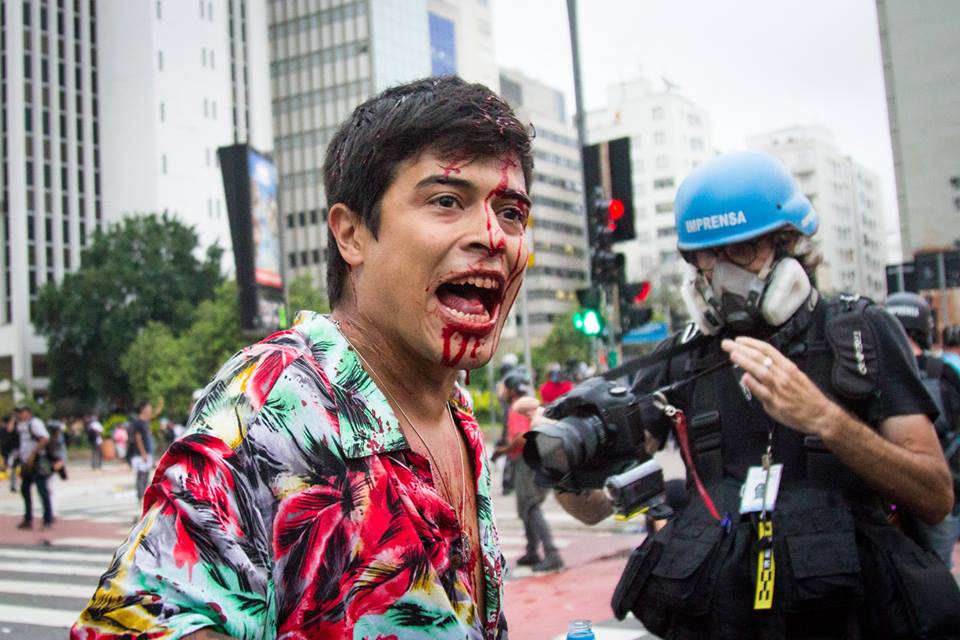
(52, 134)
(847, 197)
(179, 79)
(669, 136)
(921, 64)
(557, 232)
(328, 57)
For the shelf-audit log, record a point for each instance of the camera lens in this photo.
(565, 445)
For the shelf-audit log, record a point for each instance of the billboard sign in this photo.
(250, 186)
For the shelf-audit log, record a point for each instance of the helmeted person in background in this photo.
(951, 346)
(518, 395)
(555, 385)
(943, 383)
(790, 451)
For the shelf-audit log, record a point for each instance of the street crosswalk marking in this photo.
(98, 543)
(59, 569)
(56, 589)
(75, 556)
(37, 616)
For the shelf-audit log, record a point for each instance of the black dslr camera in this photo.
(598, 442)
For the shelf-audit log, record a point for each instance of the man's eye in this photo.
(514, 214)
(446, 202)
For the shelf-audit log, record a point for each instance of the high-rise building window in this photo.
(163, 112)
(160, 60)
(657, 113)
(159, 11)
(660, 137)
(163, 163)
(202, 9)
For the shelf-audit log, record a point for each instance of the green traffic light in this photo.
(592, 322)
(578, 321)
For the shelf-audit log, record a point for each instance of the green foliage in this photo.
(162, 365)
(215, 334)
(110, 423)
(158, 366)
(140, 270)
(302, 295)
(21, 390)
(563, 343)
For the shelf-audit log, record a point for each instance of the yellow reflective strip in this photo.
(765, 569)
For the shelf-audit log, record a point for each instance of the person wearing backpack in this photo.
(943, 384)
(35, 465)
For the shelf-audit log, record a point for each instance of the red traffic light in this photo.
(615, 209)
(643, 292)
(612, 226)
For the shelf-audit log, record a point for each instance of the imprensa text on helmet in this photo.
(730, 219)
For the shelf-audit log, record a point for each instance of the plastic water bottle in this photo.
(580, 630)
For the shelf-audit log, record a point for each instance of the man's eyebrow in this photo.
(468, 184)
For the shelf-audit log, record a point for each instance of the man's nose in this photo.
(486, 232)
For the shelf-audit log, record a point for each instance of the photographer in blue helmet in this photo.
(800, 418)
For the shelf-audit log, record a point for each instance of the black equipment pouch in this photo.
(856, 370)
(912, 593)
(817, 562)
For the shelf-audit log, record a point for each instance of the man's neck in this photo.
(419, 388)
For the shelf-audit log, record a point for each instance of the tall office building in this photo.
(557, 235)
(328, 56)
(669, 136)
(179, 79)
(847, 196)
(920, 44)
(51, 182)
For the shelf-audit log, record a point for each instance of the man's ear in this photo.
(348, 232)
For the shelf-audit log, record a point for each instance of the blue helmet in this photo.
(739, 196)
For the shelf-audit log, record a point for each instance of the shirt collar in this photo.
(368, 425)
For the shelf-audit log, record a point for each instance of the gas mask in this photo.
(737, 298)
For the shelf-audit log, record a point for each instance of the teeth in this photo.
(470, 317)
(478, 281)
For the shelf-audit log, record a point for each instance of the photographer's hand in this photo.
(902, 460)
(785, 392)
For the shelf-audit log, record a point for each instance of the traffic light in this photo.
(607, 167)
(633, 314)
(588, 320)
(605, 216)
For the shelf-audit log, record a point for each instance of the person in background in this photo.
(951, 346)
(9, 446)
(141, 444)
(943, 383)
(34, 465)
(121, 437)
(95, 437)
(555, 385)
(518, 394)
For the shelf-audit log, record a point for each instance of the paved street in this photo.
(47, 576)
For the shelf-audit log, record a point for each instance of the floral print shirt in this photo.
(293, 508)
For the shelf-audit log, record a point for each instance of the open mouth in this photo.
(473, 299)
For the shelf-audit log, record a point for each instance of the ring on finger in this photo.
(767, 362)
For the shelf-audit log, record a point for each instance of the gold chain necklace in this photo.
(462, 558)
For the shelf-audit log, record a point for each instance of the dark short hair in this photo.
(442, 114)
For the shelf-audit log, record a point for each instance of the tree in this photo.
(157, 366)
(215, 334)
(302, 295)
(563, 343)
(140, 270)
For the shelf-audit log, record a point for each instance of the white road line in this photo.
(38, 554)
(53, 569)
(60, 618)
(59, 590)
(98, 543)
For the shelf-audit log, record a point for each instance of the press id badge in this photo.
(752, 496)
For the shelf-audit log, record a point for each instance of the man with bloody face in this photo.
(333, 482)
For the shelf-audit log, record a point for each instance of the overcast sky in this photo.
(754, 65)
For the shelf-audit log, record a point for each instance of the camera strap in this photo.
(631, 367)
